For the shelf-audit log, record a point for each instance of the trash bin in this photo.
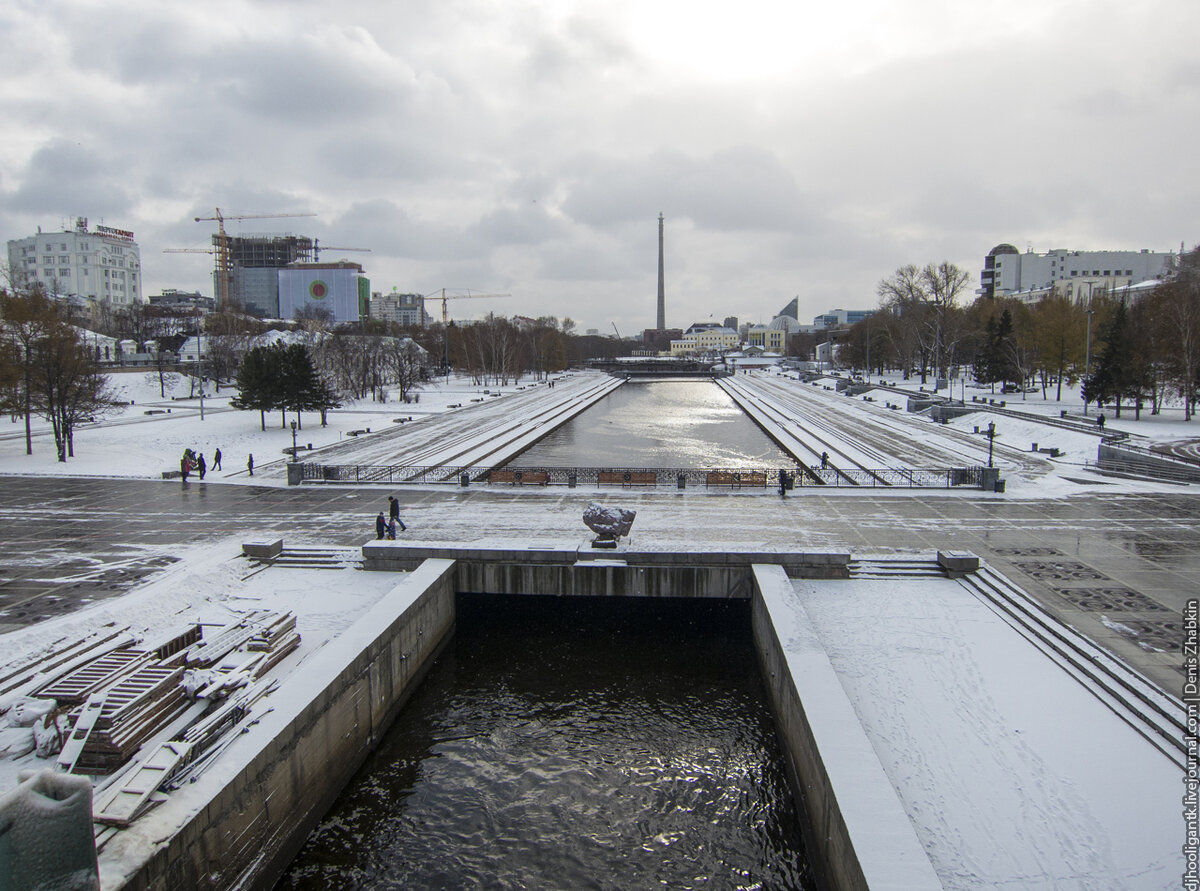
(572, 480)
(1000, 486)
(464, 480)
(681, 481)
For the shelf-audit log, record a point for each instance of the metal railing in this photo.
(673, 477)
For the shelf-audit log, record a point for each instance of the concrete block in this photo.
(958, 562)
(262, 550)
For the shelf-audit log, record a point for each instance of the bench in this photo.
(736, 479)
(627, 478)
(519, 477)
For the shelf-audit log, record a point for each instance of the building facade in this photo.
(340, 286)
(1076, 274)
(403, 309)
(253, 268)
(101, 264)
(837, 318)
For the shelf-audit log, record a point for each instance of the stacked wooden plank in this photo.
(78, 684)
(171, 642)
(134, 710)
(277, 637)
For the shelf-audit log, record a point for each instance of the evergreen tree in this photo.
(1112, 378)
(256, 382)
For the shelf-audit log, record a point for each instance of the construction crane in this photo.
(224, 267)
(444, 297)
(317, 248)
(614, 324)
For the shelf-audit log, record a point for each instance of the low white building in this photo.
(1076, 274)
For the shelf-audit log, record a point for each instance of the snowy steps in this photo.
(892, 569)
(1157, 716)
(310, 558)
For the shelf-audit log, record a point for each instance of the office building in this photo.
(100, 264)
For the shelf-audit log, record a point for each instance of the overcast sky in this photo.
(528, 147)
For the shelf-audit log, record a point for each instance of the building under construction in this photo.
(251, 268)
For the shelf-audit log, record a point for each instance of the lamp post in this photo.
(294, 442)
(991, 440)
(1087, 361)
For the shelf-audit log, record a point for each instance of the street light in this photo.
(293, 441)
(1087, 361)
(991, 431)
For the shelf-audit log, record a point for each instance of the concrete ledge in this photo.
(957, 563)
(319, 727)
(262, 550)
(861, 837)
(394, 556)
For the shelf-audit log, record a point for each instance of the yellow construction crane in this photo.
(443, 296)
(224, 271)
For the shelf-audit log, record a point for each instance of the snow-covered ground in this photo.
(1012, 774)
(132, 443)
(211, 584)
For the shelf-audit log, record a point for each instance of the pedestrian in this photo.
(380, 526)
(394, 512)
(824, 460)
(1100, 421)
(201, 466)
(216, 465)
(185, 467)
(250, 465)
(391, 529)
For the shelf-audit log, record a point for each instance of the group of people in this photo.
(388, 527)
(192, 462)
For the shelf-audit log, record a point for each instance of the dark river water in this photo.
(573, 743)
(672, 423)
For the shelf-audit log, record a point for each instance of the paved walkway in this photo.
(1118, 568)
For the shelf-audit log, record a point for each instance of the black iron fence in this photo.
(647, 477)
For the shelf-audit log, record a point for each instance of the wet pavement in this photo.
(1119, 568)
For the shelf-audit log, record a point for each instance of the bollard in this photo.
(1033, 448)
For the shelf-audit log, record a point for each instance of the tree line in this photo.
(1141, 352)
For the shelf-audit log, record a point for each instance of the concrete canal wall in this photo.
(334, 709)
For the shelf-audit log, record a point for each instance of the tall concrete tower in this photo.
(662, 294)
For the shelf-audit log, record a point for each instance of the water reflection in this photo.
(671, 423)
(566, 743)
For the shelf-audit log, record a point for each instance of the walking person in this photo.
(250, 465)
(394, 512)
(216, 465)
(201, 466)
(380, 526)
(185, 467)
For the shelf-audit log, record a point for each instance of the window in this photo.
(1106, 272)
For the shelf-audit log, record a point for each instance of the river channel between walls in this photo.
(685, 423)
(573, 743)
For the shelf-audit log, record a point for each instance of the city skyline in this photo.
(529, 148)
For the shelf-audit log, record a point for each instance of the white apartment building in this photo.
(403, 309)
(101, 264)
(1077, 274)
(703, 338)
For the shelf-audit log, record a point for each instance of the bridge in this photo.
(653, 366)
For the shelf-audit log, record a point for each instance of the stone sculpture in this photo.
(609, 523)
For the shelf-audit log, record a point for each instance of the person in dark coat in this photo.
(380, 526)
(250, 465)
(217, 460)
(394, 512)
(201, 466)
(391, 529)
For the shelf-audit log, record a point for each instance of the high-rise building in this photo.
(1076, 274)
(254, 262)
(102, 264)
